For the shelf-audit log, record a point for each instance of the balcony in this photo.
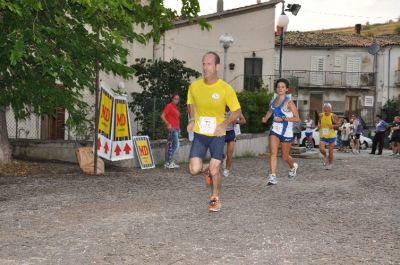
(332, 79)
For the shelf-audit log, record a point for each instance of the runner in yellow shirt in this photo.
(327, 135)
(207, 99)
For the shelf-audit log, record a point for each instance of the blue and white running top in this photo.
(283, 129)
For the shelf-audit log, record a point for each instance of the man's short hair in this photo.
(217, 60)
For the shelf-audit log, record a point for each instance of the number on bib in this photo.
(208, 125)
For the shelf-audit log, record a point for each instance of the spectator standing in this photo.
(380, 129)
(170, 117)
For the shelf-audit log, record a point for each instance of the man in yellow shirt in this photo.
(207, 99)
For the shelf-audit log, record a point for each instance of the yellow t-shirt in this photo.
(209, 103)
(325, 131)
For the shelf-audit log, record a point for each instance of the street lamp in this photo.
(283, 22)
(226, 41)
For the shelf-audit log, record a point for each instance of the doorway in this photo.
(316, 101)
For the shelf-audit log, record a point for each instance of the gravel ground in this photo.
(349, 215)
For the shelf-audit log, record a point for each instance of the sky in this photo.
(319, 14)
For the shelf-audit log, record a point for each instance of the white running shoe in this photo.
(293, 171)
(173, 165)
(328, 167)
(272, 180)
(226, 173)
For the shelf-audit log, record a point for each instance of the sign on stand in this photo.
(122, 146)
(143, 151)
(105, 125)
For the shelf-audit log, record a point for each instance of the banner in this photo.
(143, 151)
(105, 122)
(122, 146)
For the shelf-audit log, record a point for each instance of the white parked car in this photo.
(364, 141)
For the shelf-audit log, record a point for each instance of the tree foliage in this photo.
(48, 49)
(159, 81)
(45, 43)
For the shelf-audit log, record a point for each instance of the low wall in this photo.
(246, 145)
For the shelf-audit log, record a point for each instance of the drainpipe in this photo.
(388, 87)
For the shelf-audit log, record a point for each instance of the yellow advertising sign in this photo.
(121, 119)
(143, 150)
(105, 113)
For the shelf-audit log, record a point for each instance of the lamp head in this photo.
(226, 40)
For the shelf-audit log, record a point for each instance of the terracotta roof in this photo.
(334, 40)
(232, 12)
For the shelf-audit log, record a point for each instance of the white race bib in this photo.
(277, 127)
(208, 125)
(325, 131)
(237, 129)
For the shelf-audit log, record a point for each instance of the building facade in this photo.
(349, 71)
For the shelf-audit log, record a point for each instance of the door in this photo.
(252, 73)
(317, 70)
(351, 106)
(56, 125)
(353, 68)
(315, 106)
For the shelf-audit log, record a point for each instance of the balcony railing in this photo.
(331, 78)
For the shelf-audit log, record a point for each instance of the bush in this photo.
(160, 80)
(254, 106)
(391, 109)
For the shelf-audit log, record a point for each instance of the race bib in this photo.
(208, 125)
(237, 129)
(277, 127)
(325, 131)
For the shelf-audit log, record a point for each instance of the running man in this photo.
(207, 99)
(327, 124)
(230, 140)
(284, 113)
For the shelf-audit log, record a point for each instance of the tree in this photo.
(159, 81)
(49, 49)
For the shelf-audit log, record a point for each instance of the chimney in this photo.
(220, 6)
(358, 29)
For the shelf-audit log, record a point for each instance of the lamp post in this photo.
(283, 22)
(226, 41)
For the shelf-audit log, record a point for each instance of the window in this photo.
(317, 70)
(338, 61)
(252, 73)
(353, 68)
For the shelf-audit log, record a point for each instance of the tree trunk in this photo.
(5, 148)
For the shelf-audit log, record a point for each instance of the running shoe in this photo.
(214, 205)
(226, 173)
(173, 165)
(323, 159)
(328, 167)
(272, 180)
(209, 180)
(293, 171)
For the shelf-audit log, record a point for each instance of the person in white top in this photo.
(230, 140)
(310, 125)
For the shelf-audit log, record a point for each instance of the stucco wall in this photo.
(252, 32)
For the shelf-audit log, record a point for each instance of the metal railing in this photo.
(333, 79)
